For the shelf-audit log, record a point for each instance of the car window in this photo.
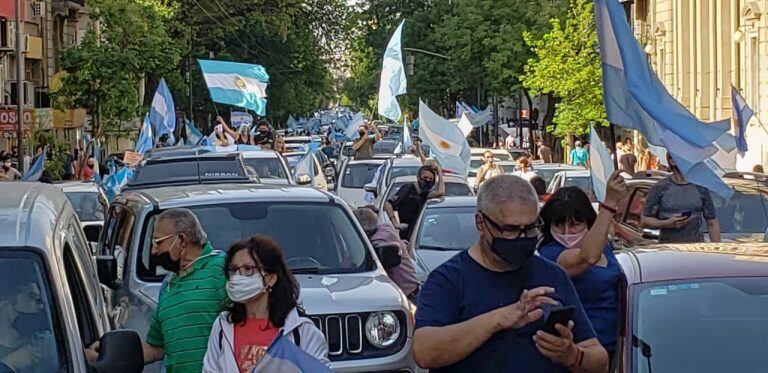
(326, 241)
(700, 314)
(447, 229)
(745, 212)
(634, 214)
(267, 168)
(34, 324)
(396, 172)
(89, 206)
(583, 183)
(385, 147)
(358, 174)
(86, 322)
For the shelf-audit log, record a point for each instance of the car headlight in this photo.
(382, 329)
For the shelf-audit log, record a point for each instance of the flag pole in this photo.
(613, 145)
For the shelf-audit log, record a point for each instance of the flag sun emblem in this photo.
(445, 145)
(240, 83)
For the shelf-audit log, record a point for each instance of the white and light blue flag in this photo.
(353, 128)
(284, 356)
(240, 118)
(446, 141)
(238, 84)
(306, 165)
(36, 170)
(742, 113)
(162, 114)
(601, 165)
(635, 98)
(393, 82)
(146, 140)
(465, 125)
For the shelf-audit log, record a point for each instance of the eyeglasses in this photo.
(530, 230)
(158, 241)
(247, 270)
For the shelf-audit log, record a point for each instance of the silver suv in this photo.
(366, 319)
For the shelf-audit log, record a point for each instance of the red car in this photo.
(693, 308)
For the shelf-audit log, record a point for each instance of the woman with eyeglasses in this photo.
(263, 303)
(576, 237)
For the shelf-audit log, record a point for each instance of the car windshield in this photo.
(503, 157)
(745, 212)
(27, 311)
(267, 168)
(327, 241)
(680, 326)
(356, 175)
(385, 147)
(546, 173)
(509, 168)
(451, 189)
(448, 228)
(583, 182)
(89, 206)
(402, 171)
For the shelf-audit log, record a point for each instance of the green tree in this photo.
(567, 65)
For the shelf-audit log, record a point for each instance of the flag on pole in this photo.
(352, 130)
(193, 134)
(162, 115)
(393, 82)
(145, 141)
(742, 113)
(238, 84)
(407, 140)
(635, 98)
(36, 170)
(445, 140)
(284, 356)
(601, 165)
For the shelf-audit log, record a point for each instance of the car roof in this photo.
(406, 160)
(453, 201)
(412, 179)
(78, 186)
(562, 166)
(259, 154)
(667, 262)
(574, 173)
(193, 195)
(29, 213)
(483, 150)
(365, 161)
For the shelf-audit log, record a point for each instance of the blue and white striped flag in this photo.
(306, 165)
(742, 113)
(36, 170)
(146, 140)
(193, 134)
(635, 98)
(393, 82)
(601, 165)
(285, 357)
(352, 130)
(239, 84)
(162, 114)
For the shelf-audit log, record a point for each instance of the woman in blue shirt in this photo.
(576, 238)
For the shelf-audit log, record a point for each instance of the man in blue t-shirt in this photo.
(483, 310)
(580, 156)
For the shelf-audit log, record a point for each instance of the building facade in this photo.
(699, 48)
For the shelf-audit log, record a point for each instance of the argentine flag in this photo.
(445, 139)
(162, 115)
(238, 84)
(36, 171)
(393, 82)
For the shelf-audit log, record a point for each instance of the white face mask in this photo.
(570, 240)
(242, 288)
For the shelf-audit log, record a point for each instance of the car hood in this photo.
(332, 294)
(428, 260)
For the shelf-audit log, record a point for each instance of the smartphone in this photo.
(686, 214)
(560, 315)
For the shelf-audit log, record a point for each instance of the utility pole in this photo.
(19, 86)
(190, 114)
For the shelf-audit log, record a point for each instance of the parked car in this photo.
(680, 302)
(365, 317)
(578, 178)
(45, 261)
(352, 179)
(270, 167)
(454, 186)
(394, 167)
(743, 218)
(445, 227)
(500, 154)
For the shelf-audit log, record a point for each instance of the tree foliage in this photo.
(567, 65)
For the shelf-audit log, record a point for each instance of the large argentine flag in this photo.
(162, 115)
(635, 98)
(445, 139)
(393, 82)
(238, 84)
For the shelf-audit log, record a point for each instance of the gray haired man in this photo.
(191, 296)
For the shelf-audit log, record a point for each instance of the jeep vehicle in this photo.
(366, 319)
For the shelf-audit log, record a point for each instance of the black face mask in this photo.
(165, 261)
(517, 251)
(263, 132)
(426, 185)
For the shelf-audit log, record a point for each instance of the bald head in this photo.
(505, 189)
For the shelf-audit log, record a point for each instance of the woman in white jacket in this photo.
(264, 299)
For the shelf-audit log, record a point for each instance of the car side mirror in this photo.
(106, 268)
(389, 255)
(92, 232)
(303, 180)
(120, 351)
(370, 188)
(651, 234)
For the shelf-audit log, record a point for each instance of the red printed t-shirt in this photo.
(252, 341)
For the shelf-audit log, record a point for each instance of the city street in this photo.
(383, 186)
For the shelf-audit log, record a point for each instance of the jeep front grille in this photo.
(346, 339)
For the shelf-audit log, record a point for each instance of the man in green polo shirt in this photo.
(191, 297)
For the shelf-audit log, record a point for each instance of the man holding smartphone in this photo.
(676, 207)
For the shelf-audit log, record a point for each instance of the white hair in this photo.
(184, 221)
(503, 189)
